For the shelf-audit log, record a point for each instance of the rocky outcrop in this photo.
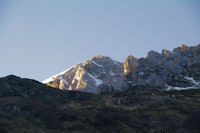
(97, 74)
(180, 68)
(130, 64)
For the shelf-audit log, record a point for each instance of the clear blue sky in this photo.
(40, 38)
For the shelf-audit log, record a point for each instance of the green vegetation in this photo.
(29, 106)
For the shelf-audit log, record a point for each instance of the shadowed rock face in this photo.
(90, 76)
(172, 68)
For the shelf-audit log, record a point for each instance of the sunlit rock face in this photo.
(168, 68)
(129, 64)
(166, 52)
(97, 74)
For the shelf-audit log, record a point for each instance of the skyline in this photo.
(39, 39)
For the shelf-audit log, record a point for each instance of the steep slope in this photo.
(27, 106)
(95, 75)
(179, 69)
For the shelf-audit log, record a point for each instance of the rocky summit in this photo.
(178, 69)
(97, 74)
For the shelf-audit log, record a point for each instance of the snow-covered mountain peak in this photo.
(90, 76)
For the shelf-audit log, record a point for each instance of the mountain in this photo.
(178, 69)
(97, 74)
(28, 106)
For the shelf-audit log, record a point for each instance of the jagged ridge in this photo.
(179, 69)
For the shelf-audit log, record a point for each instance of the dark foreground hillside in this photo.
(27, 106)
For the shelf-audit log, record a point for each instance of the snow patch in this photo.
(141, 73)
(54, 76)
(98, 82)
(184, 88)
(49, 79)
(97, 64)
(192, 80)
(177, 88)
(64, 81)
(111, 73)
(77, 76)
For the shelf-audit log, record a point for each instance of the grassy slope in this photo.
(29, 106)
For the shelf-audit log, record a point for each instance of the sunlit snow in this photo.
(54, 76)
